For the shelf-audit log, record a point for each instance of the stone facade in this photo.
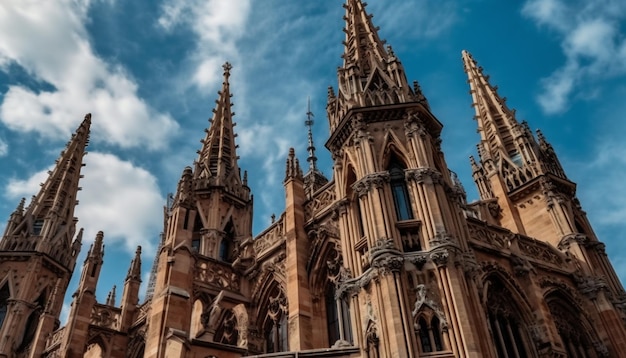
(386, 259)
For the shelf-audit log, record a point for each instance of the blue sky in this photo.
(148, 71)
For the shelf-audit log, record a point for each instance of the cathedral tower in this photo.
(401, 222)
(207, 244)
(523, 188)
(38, 254)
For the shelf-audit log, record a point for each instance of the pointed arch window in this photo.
(337, 316)
(569, 324)
(399, 191)
(31, 324)
(505, 322)
(428, 330)
(275, 327)
(5, 294)
(225, 250)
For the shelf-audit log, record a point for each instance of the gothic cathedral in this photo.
(385, 259)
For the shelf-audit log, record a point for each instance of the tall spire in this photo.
(371, 75)
(313, 179)
(507, 146)
(497, 125)
(217, 161)
(134, 271)
(312, 159)
(48, 224)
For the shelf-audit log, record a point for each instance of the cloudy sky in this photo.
(148, 71)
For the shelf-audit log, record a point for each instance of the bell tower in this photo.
(38, 253)
(400, 217)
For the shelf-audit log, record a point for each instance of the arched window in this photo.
(225, 251)
(31, 323)
(275, 327)
(568, 322)
(332, 315)
(4, 298)
(429, 331)
(227, 332)
(399, 191)
(505, 322)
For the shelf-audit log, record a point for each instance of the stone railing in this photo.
(216, 274)
(269, 238)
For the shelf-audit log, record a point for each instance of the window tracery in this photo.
(507, 327)
(567, 319)
(428, 330)
(399, 191)
(275, 327)
(4, 298)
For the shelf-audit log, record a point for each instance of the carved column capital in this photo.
(370, 181)
(421, 175)
(591, 286)
(440, 257)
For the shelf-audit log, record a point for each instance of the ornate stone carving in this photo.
(387, 264)
(521, 266)
(422, 175)
(491, 237)
(418, 259)
(102, 316)
(216, 274)
(440, 257)
(320, 202)
(270, 238)
(370, 181)
(567, 240)
(426, 296)
(591, 286)
(469, 264)
(539, 250)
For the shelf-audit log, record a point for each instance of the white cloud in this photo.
(4, 148)
(118, 198)
(217, 25)
(593, 46)
(49, 41)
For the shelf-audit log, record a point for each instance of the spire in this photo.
(217, 161)
(48, 224)
(312, 159)
(111, 297)
(134, 272)
(96, 251)
(507, 146)
(314, 179)
(371, 75)
(293, 170)
(497, 125)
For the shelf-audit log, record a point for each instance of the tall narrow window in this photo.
(225, 252)
(332, 316)
(37, 226)
(345, 320)
(568, 321)
(399, 191)
(505, 322)
(275, 326)
(424, 336)
(428, 331)
(4, 298)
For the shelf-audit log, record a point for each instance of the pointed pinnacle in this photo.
(134, 271)
(111, 297)
(97, 248)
